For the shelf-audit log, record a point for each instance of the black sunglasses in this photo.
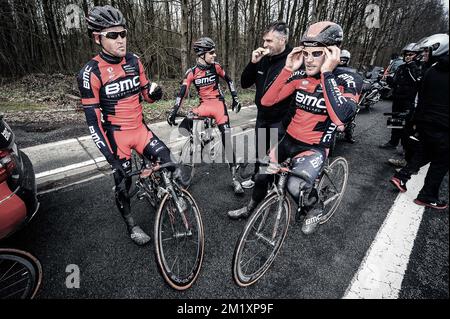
(114, 34)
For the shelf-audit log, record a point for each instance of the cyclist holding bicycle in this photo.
(205, 76)
(325, 97)
(112, 85)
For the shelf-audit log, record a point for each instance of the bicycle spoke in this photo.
(15, 293)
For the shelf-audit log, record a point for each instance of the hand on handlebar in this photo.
(272, 168)
(171, 118)
(236, 106)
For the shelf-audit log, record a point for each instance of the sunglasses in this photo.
(114, 34)
(410, 54)
(315, 54)
(212, 52)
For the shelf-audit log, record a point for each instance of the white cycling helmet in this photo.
(437, 43)
(345, 54)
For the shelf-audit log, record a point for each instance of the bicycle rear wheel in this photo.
(261, 240)
(179, 241)
(332, 186)
(20, 274)
(187, 161)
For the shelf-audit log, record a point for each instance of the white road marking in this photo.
(74, 183)
(381, 273)
(58, 143)
(70, 167)
(97, 160)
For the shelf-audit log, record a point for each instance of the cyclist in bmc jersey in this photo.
(205, 76)
(112, 86)
(325, 97)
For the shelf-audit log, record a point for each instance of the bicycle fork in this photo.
(281, 197)
(180, 205)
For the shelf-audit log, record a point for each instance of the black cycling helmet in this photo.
(100, 18)
(203, 45)
(323, 33)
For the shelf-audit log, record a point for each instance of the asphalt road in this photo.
(80, 225)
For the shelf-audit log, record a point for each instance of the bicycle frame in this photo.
(149, 183)
(284, 174)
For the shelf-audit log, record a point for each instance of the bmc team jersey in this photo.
(111, 93)
(321, 103)
(206, 81)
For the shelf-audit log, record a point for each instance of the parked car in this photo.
(18, 200)
(20, 271)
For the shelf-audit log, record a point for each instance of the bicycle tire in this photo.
(19, 267)
(244, 280)
(338, 162)
(175, 280)
(187, 162)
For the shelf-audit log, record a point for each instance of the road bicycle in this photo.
(178, 231)
(20, 274)
(266, 229)
(204, 144)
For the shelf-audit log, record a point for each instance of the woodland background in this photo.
(43, 36)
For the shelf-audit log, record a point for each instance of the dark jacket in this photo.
(262, 74)
(406, 81)
(433, 104)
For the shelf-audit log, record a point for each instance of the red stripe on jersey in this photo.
(128, 113)
(302, 127)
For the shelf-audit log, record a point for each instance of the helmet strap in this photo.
(203, 58)
(103, 48)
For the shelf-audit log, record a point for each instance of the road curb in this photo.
(67, 175)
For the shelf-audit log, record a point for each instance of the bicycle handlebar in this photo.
(152, 170)
(193, 117)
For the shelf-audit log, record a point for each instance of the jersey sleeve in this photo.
(89, 85)
(221, 72)
(341, 93)
(185, 85)
(283, 86)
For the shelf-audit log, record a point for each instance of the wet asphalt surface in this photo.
(80, 225)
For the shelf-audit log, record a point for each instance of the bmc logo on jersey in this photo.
(122, 86)
(350, 80)
(311, 101)
(86, 75)
(205, 81)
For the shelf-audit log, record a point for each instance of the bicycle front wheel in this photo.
(332, 186)
(179, 241)
(20, 274)
(261, 240)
